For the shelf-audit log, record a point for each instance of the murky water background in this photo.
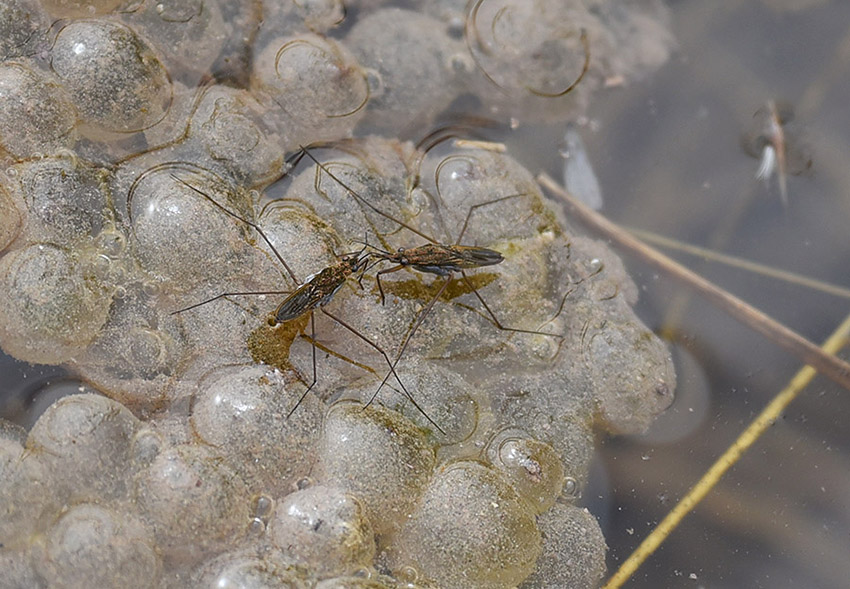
(668, 158)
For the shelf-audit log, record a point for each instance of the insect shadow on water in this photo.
(433, 258)
(314, 293)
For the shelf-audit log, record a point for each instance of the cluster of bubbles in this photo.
(200, 461)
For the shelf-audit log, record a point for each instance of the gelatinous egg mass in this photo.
(409, 426)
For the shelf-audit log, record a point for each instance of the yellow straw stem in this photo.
(765, 419)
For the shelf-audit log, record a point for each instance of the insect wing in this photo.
(303, 299)
(317, 291)
(475, 257)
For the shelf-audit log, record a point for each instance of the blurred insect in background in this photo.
(777, 145)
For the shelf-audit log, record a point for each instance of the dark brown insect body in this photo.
(319, 289)
(442, 260)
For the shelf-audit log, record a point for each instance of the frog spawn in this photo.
(393, 518)
(206, 476)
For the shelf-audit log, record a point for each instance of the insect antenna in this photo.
(375, 258)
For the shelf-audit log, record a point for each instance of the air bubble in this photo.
(27, 495)
(408, 574)
(470, 529)
(22, 24)
(18, 569)
(316, 89)
(256, 528)
(80, 8)
(231, 127)
(66, 201)
(137, 354)
(12, 432)
(320, 15)
(52, 310)
(461, 64)
(445, 396)
(150, 289)
(245, 570)
(532, 467)
(193, 31)
(379, 457)
(245, 413)
(628, 365)
(282, 19)
(324, 529)
(411, 53)
(194, 501)
(146, 446)
(91, 546)
(531, 53)
(85, 442)
(376, 177)
(263, 507)
(111, 243)
(467, 177)
(375, 82)
(573, 550)
(113, 76)
(353, 582)
(38, 116)
(182, 237)
(10, 217)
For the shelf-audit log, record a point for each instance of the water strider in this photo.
(433, 258)
(313, 294)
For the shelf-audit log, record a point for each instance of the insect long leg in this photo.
(231, 294)
(409, 336)
(389, 363)
(251, 224)
(362, 200)
(498, 323)
(315, 376)
(473, 208)
(378, 278)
